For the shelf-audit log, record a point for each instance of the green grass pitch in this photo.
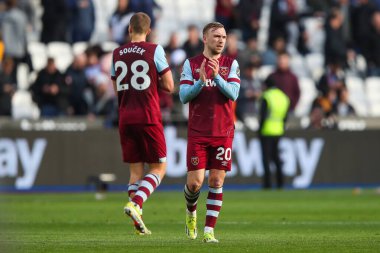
(250, 221)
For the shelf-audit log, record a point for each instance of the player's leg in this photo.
(220, 161)
(136, 174)
(149, 183)
(196, 163)
(192, 191)
(277, 161)
(265, 155)
(214, 202)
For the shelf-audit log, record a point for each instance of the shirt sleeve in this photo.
(188, 90)
(112, 71)
(160, 60)
(231, 87)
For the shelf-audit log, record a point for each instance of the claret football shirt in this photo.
(136, 68)
(210, 112)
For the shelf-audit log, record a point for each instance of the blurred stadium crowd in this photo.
(324, 54)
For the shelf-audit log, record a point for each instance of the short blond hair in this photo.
(140, 23)
(212, 26)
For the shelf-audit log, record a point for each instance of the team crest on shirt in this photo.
(194, 160)
(197, 70)
(223, 70)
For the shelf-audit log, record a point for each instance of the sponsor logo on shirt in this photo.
(194, 160)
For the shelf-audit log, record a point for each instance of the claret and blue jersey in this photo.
(136, 69)
(210, 110)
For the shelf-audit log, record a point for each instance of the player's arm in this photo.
(188, 90)
(166, 82)
(113, 76)
(231, 87)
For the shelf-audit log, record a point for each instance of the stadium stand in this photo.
(364, 91)
(372, 86)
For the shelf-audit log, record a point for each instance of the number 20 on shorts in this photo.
(224, 154)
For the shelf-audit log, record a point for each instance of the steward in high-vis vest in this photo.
(273, 114)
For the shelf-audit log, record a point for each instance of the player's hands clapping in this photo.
(214, 65)
(202, 71)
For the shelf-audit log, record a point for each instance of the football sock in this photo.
(214, 204)
(147, 186)
(191, 200)
(132, 189)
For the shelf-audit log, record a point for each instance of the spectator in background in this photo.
(232, 47)
(120, 20)
(146, 6)
(332, 79)
(104, 97)
(269, 57)
(82, 20)
(54, 21)
(13, 27)
(250, 54)
(193, 45)
(249, 18)
(150, 7)
(335, 46)
(8, 86)
(173, 43)
(286, 80)
(78, 86)
(342, 107)
(283, 12)
(93, 67)
(2, 48)
(321, 113)
(30, 11)
(373, 59)
(250, 91)
(50, 92)
(274, 109)
(344, 7)
(361, 25)
(224, 13)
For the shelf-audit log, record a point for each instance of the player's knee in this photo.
(194, 186)
(215, 182)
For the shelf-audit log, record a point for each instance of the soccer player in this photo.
(138, 69)
(209, 82)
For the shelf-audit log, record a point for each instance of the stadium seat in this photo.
(23, 106)
(314, 28)
(315, 63)
(298, 66)
(62, 54)
(308, 94)
(264, 71)
(79, 47)
(357, 97)
(372, 85)
(38, 54)
(109, 46)
(23, 76)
